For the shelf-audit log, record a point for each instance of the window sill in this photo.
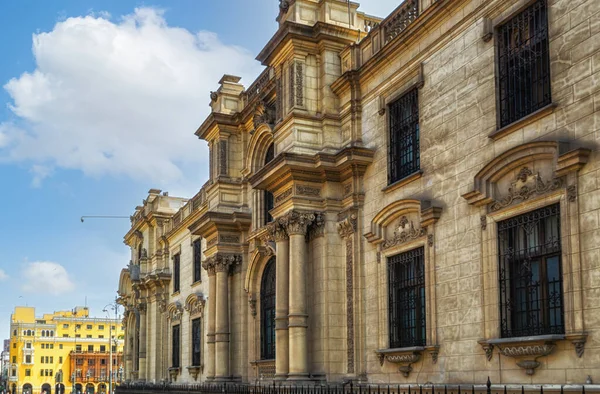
(524, 121)
(195, 370)
(196, 283)
(403, 182)
(405, 356)
(175, 293)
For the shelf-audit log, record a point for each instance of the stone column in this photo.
(143, 336)
(277, 231)
(223, 264)
(297, 226)
(209, 266)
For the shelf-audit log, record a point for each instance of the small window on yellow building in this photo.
(28, 372)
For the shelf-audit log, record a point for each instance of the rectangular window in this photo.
(60, 346)
(79, 361)
(43, 345)
(103, 361)
(197, 260)
(404, 150)
(88, 336)
(175, 348)
(102, 348)
(112, 328)
(28, 372)
(60, 360)
(28, 345)
(176, 273)
(65, 335)
(91, 361)
(77, 326)
(42, 359)
(77, 348)
(196, 342)
(77, 335)
(47, 360)
(28, 359)
(65, 326)
(88, 327)
(51, 359)
(529, 249)
(101, 327)
(14, 359)
(406, 276)
(51, 372)
(101, 336)
(90, 348)
(523, 64)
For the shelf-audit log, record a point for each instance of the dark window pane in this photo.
(267, 312)
(176, 273)
(175, 347)
(268, 196)
(196, 342)
(530, 274)
(197, 259)
(406, 278)
(404, 151)
(524, 64)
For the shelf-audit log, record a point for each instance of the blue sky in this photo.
(100, 100)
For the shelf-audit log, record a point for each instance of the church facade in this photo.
(402, 200)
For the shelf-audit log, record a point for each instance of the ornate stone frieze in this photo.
(252, 304)
(283, 196)
(279, 100)
(229, 238)
(405, 232)
(299, 83)
(526, 185)
(347, 189)
(298, 222)
(483, 221)
(223, 157)
(347, 226)
(211, 242)
(304, 190)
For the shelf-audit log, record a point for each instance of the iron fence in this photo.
(351, 388)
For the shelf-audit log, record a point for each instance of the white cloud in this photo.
(117, 98)
(47, 278)
(3, 275)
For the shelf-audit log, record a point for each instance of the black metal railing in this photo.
(350, 388)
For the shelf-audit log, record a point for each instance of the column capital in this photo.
(317, 229)
(297, 222)
(209, 266)
(347, 226)
(224, 262)
(277, 230)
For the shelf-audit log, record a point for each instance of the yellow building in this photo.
(63, 352)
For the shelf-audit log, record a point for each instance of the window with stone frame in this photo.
(175, 346)
(267, 312)
(197, 260)
(529, 249)
(269, 202)
(176, 273)
(404, 140)
(406, 280)
(523, 64)
(196, 342)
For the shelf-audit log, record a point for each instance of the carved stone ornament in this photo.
(194, 304)
(298, 222)
(304, 190)
(173, 372)
(488, 348)
(572, 193)
(526, 185)
(283, 196)
(578, 341)
(284, 5)
(483, 222)
(527, 353)
(195, 371)
(401, 237)
(347, 226)
(175, 311)
(317, 229)
(430, 240)
(252, 304)
(214, 96)
(226, 262)
(404, 357)
(264, 114)
(277, 231)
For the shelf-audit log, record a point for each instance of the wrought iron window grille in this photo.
(404, 150)
(530, 274)
(406, 278)
(523, 64)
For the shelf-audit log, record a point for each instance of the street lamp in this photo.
(114, 306)
(74, 362)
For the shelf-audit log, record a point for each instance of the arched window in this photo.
(43, 333)
(269, 201)
(267, 312)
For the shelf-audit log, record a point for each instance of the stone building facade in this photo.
(410, 199)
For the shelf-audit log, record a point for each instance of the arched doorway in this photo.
(78, 388)
(89, 388)
(267, 312)
(47, 388)
(27, 389)
(60, 388)
(102, 388)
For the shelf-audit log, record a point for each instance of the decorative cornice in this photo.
(526, 185)
(407, 234)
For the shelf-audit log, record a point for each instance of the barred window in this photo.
(269, 200)
(197, 260)
(176, 282)
(404, 152)
(406, 276)
(531, 300)
(524, 64)
(196, 342)
(175, 356)
(267, 312)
